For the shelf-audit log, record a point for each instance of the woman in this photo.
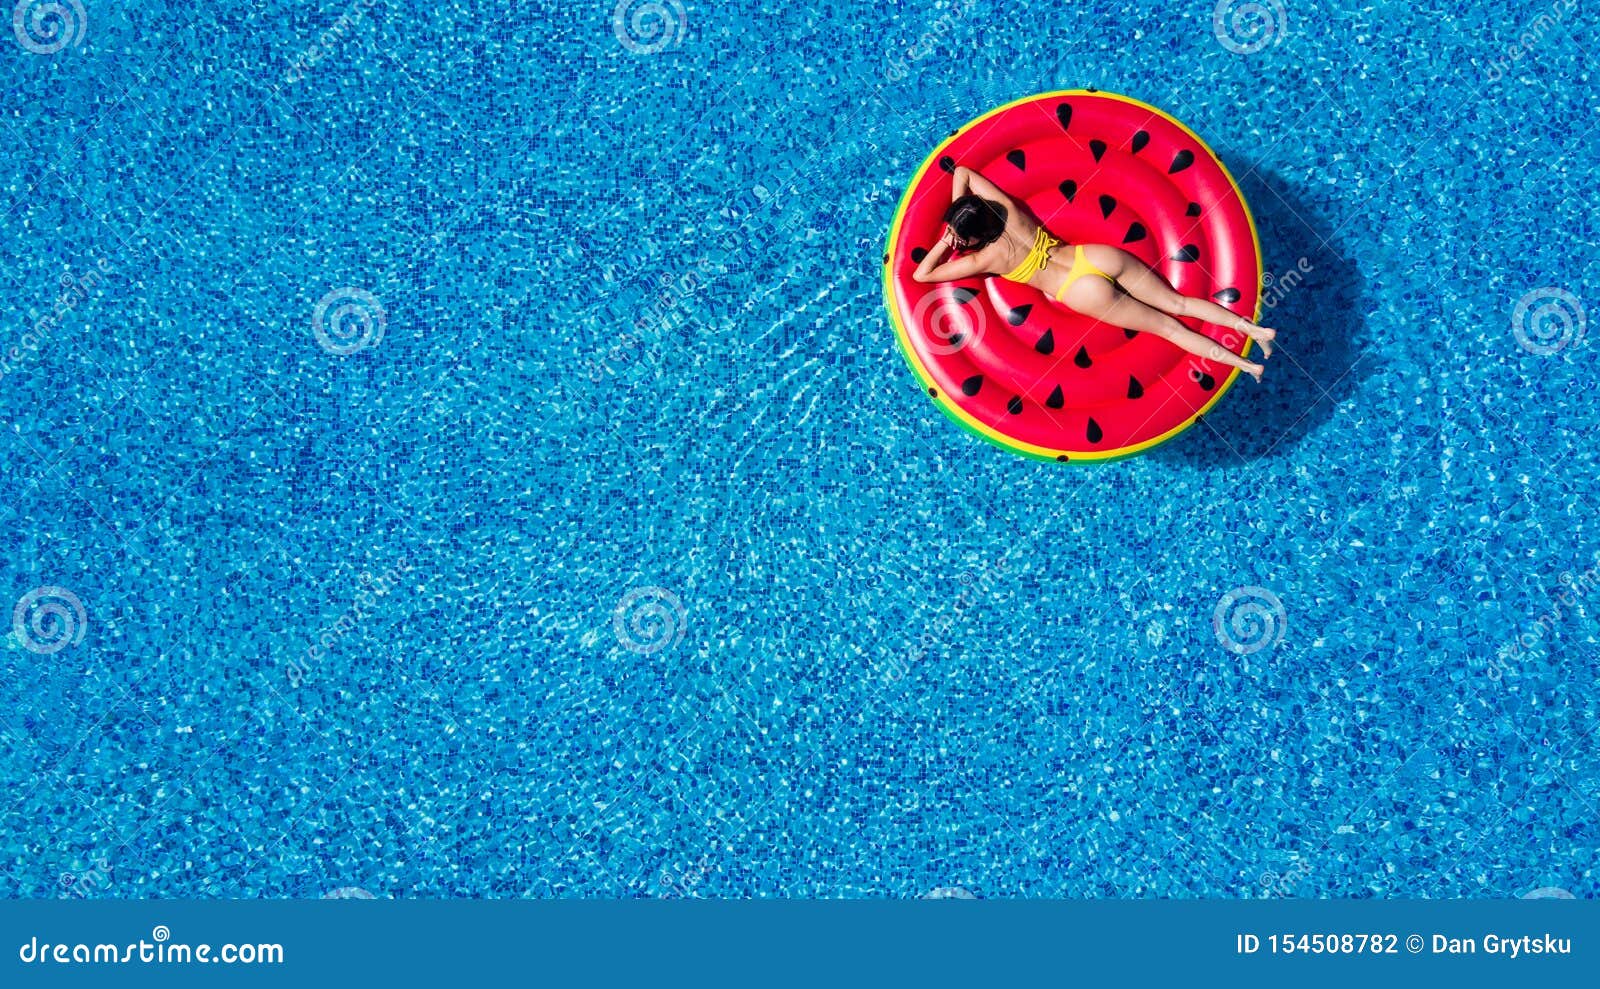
(999, 237)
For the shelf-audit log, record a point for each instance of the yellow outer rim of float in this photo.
(965, 419)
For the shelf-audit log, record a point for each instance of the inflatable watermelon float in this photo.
(1023, 371)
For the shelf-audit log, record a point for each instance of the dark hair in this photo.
(976, 221)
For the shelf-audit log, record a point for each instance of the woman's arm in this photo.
(931, 270)
(968, 180)
(963, 180)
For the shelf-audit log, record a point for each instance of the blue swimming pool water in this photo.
(460, 450)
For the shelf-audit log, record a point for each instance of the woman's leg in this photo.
(1124, 310)
(1151, 289)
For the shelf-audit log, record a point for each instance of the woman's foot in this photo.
(1263, 335)
(1254, 370)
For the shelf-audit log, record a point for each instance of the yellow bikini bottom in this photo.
(1080, 266)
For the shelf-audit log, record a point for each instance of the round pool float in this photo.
(1023, 371)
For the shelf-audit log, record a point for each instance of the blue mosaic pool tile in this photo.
(632, 585)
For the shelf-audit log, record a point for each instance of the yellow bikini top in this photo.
(1038, 257)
